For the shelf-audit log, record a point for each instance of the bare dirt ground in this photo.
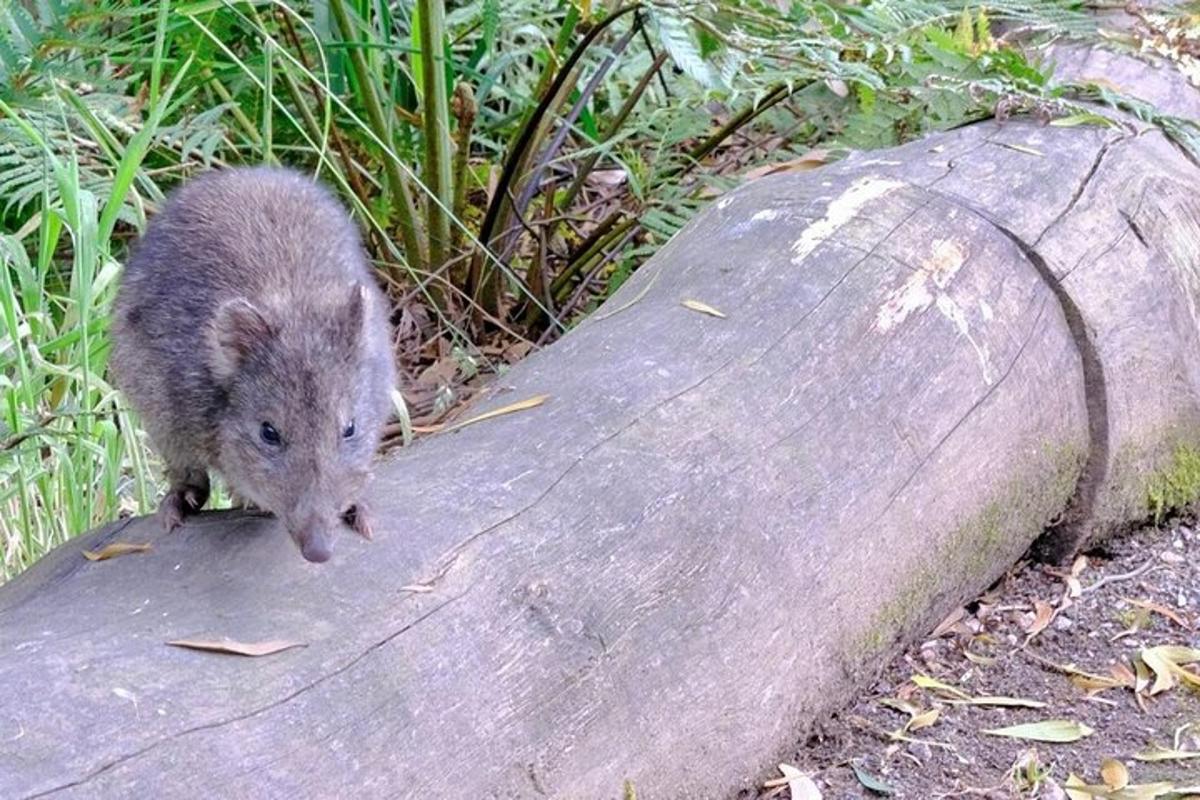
(1024, 639)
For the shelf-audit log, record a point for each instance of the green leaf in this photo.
(877, 785)
(926, 682)
(677, 39)
(1051, 730)
(1075, 120)
(964, 34)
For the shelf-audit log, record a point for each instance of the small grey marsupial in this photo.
(250, 336)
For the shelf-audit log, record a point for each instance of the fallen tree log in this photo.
(706, 536)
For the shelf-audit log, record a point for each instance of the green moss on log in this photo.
(1175, 485)
(982, 546)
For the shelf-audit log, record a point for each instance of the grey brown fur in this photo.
(249, 303)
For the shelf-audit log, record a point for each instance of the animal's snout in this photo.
(317, 549)
(315, 542)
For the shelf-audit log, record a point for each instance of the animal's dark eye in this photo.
(269, 434)
(348, 431)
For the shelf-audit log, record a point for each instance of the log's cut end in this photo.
(711, 532)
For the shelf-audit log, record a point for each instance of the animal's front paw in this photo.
(358, 517)
(171, 510)
(170, 514)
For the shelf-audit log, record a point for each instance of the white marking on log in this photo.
(913, 296)
(916, 294)
(840, 211)
(951, 311)
(767, 214)
(925, 287)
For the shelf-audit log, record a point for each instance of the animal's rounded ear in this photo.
(359, 300)
(355, 314)
(236, 329)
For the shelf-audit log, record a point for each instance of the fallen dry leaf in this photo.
(1094, 684)
(810, 160)
(975, 658)
(1159, 608)
(1166, 662)
(997, 700)
(1124, 674)
(922, 720)
(520, 405)
(800, 786)
(1078, 790)
(439, 373)
(703, 308)
(1142, 676)
(949, 624)
(114, 549)
(1020, 148)
(232, 647)
(1114, 774)
(1044, 614)
(1158, 753)
(902, 705)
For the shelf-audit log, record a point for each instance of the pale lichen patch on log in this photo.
(841, 210)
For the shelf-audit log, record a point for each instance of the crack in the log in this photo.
(452, 556)
(1130, 226)
(283, 755)
(1135, 228)
(1033, 329)
(1107, 249)
(1063, 540)
(116, 762)
(952, 163)
(1079, 190)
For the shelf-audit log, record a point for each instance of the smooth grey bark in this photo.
(708, 535)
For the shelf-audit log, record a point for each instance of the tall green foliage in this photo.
(510, 162)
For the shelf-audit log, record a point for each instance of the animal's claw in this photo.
(181, 501)
(358, 518)
(192, 498)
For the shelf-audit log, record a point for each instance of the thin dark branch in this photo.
(532, 183)
(507, 175)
